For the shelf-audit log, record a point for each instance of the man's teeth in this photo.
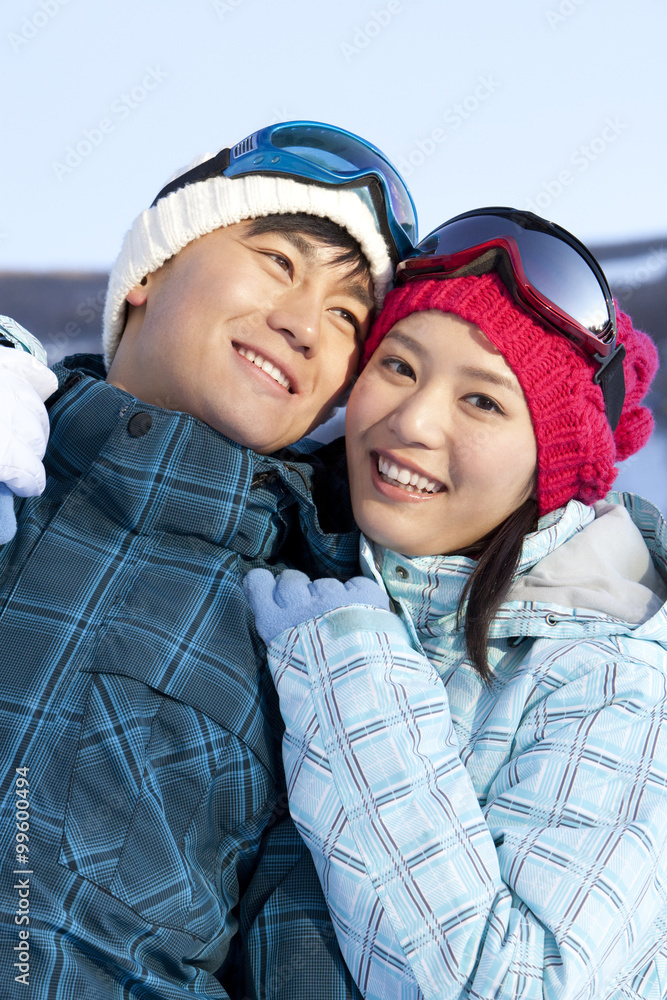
(410, 481)
(265, 365)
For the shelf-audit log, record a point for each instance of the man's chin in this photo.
(261, 443)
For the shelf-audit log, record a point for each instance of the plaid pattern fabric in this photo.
(505, 841)
(135, 698)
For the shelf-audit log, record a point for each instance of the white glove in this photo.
(24, 423)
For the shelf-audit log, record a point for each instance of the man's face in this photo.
(256, 335)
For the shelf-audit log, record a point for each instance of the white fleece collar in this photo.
(604, 567)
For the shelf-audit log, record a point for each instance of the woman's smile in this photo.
(413, 482)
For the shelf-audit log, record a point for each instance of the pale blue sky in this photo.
(561, 104)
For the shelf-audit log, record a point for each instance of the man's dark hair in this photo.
(323, 230)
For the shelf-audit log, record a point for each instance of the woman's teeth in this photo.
(266, 366)
(410, 481)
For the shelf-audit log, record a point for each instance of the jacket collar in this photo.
(199, 482)
(428, 588)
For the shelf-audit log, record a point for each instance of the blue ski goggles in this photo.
(320, 154)
(549, 272)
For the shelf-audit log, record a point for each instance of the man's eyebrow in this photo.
(359, 292)
(300, 243)
(356, 289)
(305, 247)
(309, 250)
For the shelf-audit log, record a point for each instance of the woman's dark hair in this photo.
(490, 581)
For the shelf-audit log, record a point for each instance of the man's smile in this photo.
(266, 366)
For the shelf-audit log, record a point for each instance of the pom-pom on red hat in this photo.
(576, 449)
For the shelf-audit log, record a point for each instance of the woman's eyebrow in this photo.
(405, 341)
(484, 374)
(495, 378)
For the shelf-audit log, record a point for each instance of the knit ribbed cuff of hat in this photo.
(576, 450)
(196, 209)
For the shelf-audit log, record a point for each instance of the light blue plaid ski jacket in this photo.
(500, 841)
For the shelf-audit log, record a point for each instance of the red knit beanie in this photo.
(576, 449)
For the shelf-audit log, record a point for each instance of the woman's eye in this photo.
(483, 402)
(400, 367)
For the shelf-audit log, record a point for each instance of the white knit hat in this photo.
(200, 207)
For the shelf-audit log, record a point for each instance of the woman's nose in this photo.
(420, 420)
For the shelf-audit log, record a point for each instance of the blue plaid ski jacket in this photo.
(147, 849)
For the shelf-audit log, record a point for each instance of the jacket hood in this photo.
(604, 566)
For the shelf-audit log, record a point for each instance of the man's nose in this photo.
(297, 314)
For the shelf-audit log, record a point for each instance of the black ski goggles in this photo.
(320, 154)
(548, 271)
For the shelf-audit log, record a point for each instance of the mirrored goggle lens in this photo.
(343, 157)
(554, 268)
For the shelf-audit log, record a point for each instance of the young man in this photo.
(144, 812)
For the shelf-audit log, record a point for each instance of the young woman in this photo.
(482, 776)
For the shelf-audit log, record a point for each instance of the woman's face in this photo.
(440, 443)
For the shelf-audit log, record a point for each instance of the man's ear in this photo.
(137, 296)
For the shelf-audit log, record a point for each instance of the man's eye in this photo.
(483, 402)
(283, 262)
(400, 367)
(348, 317)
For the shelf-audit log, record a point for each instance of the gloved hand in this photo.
(7, 515)
(289, 599)
(24, 429)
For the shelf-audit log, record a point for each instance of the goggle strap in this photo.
(209, 168)
(611, 380)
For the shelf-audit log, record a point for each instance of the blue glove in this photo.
(290, 599)
(7, 515)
